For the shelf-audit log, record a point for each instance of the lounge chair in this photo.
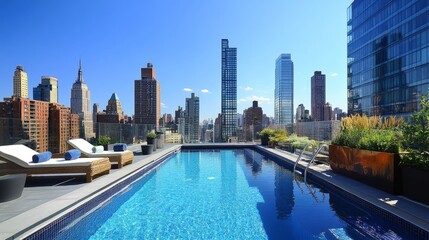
(18, 159)
(122, 158)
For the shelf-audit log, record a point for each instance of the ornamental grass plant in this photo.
(371, 133)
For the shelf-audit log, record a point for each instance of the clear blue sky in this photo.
(182, 40)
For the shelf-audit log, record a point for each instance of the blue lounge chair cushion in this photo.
(42, 157)
(72, 154)
(119, 147)
(97, 149)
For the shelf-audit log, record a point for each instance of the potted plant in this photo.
(367, 149)
(104, 140)
(415, 163)
(150, 138)
(265, 136)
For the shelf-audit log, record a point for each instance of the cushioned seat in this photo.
(18, 159)
(122, 158)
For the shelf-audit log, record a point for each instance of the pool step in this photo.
(339, 233)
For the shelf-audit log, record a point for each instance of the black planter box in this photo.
(147, 149)
(415, 184)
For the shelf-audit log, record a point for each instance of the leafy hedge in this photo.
(416, 138)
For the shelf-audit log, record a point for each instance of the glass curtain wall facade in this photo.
(388, 56)
(283, 92)
(229, 91)
(192, 119)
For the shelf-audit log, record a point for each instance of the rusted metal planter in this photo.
(378, 169)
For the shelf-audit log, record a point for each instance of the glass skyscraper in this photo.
(283, 92)
(388, 56)
(229, 91)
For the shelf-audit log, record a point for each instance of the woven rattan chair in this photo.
(18, 159)
(122, 158)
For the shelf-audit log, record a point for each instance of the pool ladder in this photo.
(311, 160)
(309, 187)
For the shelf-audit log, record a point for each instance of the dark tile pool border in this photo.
(52, 229)
(392, 218)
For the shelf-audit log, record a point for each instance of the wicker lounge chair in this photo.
(18, 159)
(122, 158)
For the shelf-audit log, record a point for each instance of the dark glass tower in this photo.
(388, 56)
(283, 92)
(229, 91)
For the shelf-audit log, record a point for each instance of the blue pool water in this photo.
(227, 194)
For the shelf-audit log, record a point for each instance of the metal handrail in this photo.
(300, 155)
(312, 160)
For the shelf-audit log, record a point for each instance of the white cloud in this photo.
(205, 91)
(163, 105)
(334, 74)
(261, 99)
(187, 90)
(248, 88)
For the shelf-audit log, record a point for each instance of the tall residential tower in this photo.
(318, 95)
(229, 91)
(147, 98)
(192, 119)
(20, 83)
(283, 92)
(80, 105)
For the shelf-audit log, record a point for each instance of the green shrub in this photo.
(103, 140)
(381, 141)
(279, 135)
(265, 135)
(416, 159)
(349, 138)
(299, 142)
(151, 135)
(416, 138)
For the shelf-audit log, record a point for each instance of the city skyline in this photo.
(112, 49)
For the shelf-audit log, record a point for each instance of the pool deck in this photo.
(46, 198)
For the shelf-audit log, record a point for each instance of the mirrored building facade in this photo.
(388, 56)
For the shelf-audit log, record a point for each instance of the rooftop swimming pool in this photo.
(223, 194)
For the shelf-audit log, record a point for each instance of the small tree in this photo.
(279, 135)
(416, 137)
(103, 140)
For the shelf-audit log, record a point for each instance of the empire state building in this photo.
(80, 104)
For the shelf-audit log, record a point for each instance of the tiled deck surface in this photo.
(45, 196)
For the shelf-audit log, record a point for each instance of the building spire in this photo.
(79, 74)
